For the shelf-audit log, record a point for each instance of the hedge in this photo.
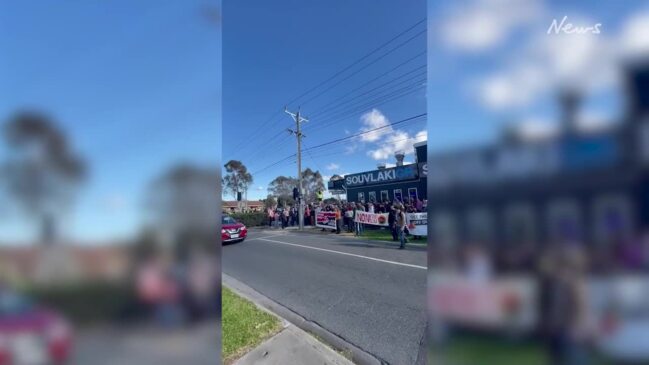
(89, 302)
(252, 219)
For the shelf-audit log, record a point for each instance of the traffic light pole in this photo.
(298, 133)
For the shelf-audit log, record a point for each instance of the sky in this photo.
(274, 52)
(134, 85)
(492, 64)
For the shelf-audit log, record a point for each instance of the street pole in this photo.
(298, 133)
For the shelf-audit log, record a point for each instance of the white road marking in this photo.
(342, 253)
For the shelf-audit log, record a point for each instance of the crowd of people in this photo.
(346, 212)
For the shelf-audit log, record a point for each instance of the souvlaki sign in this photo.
(398, 173)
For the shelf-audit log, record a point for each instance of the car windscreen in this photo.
(12, 304)
(228, 220)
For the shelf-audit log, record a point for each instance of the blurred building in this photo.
(233, 206)
(586, 186)
(394, 183)
(49, 265)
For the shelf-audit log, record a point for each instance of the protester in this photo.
(271, 216)
(401, 226)
(338, 219)
(392, 218)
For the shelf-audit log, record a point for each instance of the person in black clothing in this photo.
(392, 218)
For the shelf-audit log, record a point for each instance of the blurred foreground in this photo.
(539, 249)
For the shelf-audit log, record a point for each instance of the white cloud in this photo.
(634, 37)
(260, 188)
(333, 166)
(372, 120)
(485, 24)
(588, 62)
(385, 141)
(114, 202)
(350, 148)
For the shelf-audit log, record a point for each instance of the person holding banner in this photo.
(338, 219)
(401, 226)
(359, 225)
(392, 218)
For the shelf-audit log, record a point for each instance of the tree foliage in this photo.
(312, 182)
(237, 178)
(282, 188)
(183, 204)
(41, 173)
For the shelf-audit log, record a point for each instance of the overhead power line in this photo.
(343, 139)
(275, 115)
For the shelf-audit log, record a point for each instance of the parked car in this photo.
(31, 334)
(232, 231)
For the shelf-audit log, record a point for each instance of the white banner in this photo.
(497, 304)
(417, 223)
(325, 219)
(374, 219)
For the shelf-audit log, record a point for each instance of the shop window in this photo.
(480, 223)
(361, 197)
(372, 196)
(412, 193)
(445, 230)
(565, 221)
(612, 218)
(384, 196)
(398, 196)
(520, 224)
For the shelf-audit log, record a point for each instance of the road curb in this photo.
(358, 355)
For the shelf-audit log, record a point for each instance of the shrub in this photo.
(88, 302)
(251, 219)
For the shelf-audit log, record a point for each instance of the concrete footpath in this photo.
(291, 345)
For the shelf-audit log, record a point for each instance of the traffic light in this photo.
(296, 193)
(238, 196)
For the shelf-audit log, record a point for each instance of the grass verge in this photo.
(469, 350)
(385, 235)
(244, 326)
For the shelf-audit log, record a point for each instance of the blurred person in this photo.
(202, 279)
(157, 289)
(392, 219)
(338, 219)
(477, 263)
(401, 226)
(285, 215)
(271, 216)
(568, 327)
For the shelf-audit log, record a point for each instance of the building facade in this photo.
(387, 184)
(589, 187)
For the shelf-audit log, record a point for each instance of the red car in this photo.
(30, 334)
(232, 231)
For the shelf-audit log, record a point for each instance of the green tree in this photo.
(269, 202)
(282, 188)
(183, 205)
(312, 182)
(41, 172)
(237, 178)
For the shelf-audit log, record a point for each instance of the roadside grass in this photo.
(385, 235)
(244, 326)
(469, 350)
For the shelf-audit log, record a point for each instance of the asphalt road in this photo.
(148, 346)
(370, 294)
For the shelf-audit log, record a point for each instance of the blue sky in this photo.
(275, 51)
(135, 85)
(491, 63)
